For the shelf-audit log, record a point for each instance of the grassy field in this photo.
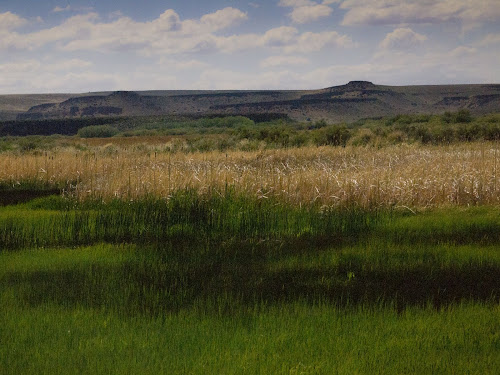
(234, 284)
(310, 260)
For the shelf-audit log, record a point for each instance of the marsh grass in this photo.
(118, 309)
(289, 339)
(313, 260)
(201, 283)
(198, 249)
(185, 217)
(400, 176)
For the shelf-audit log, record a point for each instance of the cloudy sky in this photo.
(100, 45)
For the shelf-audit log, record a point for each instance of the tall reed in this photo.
(403, 175)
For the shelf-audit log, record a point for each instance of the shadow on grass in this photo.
(226, 281)
(16, 196)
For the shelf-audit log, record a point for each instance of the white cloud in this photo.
(166, 34)
(47, 65)
(11, 21)
(35, 76)
(396, 12)
(143, 79)
(176, 48)
(276, 61)
(77, 82)
(176, 64)
(68, 65)
(168, 21)
(391, 67)
(222, 19)
(235, 43)
(19, 67)
(223, 79)
(456, 65)
(402, 38)
(76, 27)
(280, 36)
(202, 43)
(287, 39)
(313, 42)
(73, 75)
(462, 51)
(209, 23)
(310, 13)
(306, 10)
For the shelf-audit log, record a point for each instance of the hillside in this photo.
(350, 102)
(13, 105)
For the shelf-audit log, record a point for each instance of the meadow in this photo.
(318, 259)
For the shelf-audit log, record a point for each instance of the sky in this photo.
(76, 46)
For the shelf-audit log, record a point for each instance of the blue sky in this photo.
(81, 46)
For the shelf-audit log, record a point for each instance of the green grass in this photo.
(233, 285)
(185, 217)
(289, 339)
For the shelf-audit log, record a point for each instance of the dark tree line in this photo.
(49, 127)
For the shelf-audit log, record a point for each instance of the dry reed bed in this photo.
(403, 175)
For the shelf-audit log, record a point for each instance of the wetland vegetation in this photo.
(158, 255)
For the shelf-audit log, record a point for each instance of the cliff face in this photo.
(115, 104)
(350, 102)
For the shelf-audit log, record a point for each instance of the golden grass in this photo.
(403, 175)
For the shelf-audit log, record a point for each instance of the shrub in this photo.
(444, 134)
(223, 122)
(97, 131)
(406, 119)
(423, 134)
(460, 117)
(468, 133)
(463, 116)
(492, 132)
(298, 140)
(318, 125)
(363, 137)
(397, 136)
(332, 135)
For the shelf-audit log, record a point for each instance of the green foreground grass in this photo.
(228, 285)
(290, 339)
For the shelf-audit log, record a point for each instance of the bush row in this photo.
(241, 133)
